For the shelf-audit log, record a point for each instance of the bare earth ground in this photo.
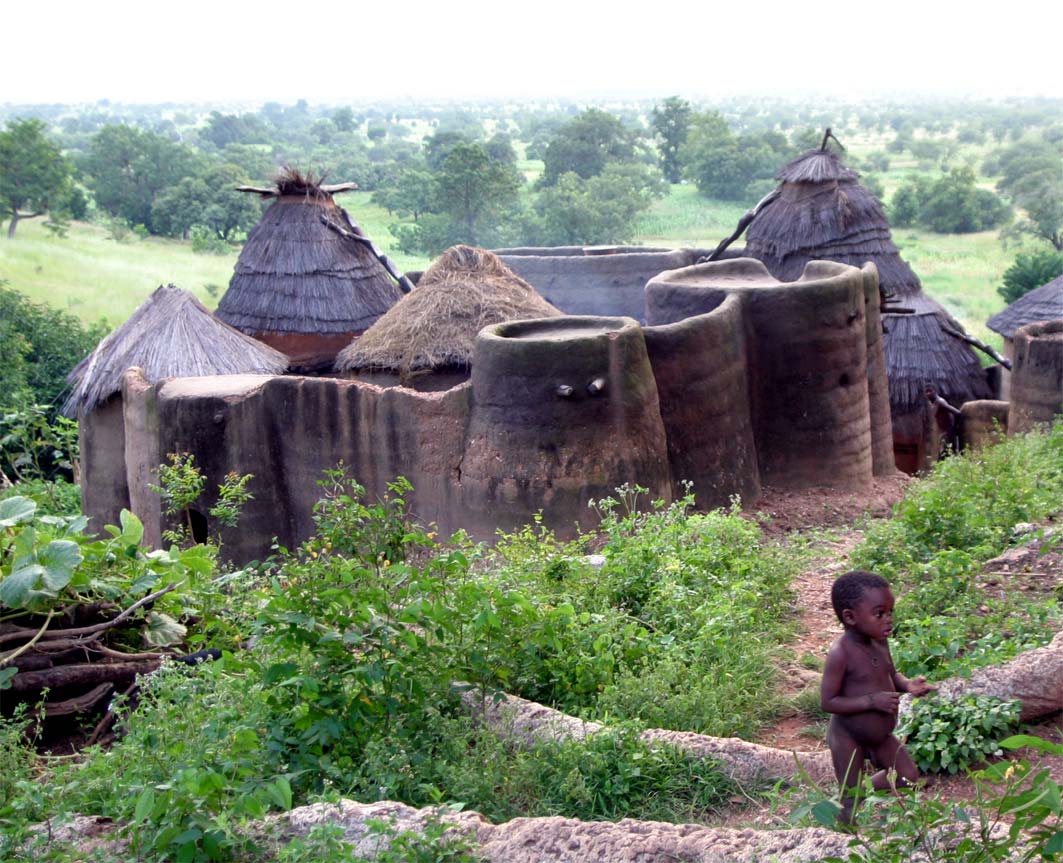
(782, 512)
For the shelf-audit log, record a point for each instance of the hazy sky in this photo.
(331, 52)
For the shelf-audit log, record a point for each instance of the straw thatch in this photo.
(296, 274)
(822, 212)
(435, 326)
(919, 353)
(171, 334)
(1041, 304)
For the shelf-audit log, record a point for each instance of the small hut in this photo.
(171, 334)
(308, 280)
(1041, 304)
(821, 212)
(426, 340)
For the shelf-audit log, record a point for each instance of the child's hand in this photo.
(887, 702)
(918, 687)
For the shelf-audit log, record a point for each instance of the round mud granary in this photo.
(806, 352)
(1037, 376)
(563, 410)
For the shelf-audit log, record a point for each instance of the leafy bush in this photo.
(1029, 272)
(53, 343)
(970, 502)
(952, 735)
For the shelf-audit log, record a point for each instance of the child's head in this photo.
(850, 588)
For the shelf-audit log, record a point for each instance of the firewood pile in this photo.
(69, 662)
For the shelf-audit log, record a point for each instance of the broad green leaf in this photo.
(15, 589)
(1055, 844)
(826, 813)
(281, 792)
(1018, 741)
(16, 510)
(6, 674)
(145, 803)
(59, 558)
(132, 528)
(161, 630)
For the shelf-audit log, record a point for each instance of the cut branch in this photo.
(20, 633)
(14, 654)
(975, 343)
(80, 675)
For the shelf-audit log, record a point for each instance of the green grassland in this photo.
(93, 276)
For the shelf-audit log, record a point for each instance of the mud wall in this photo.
(287, 430)
(594, 284)
(104, 491)
(1036, 376)
(700, 367)
(563, 411)
(807, 363)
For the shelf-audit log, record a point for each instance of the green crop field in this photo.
(93, 276)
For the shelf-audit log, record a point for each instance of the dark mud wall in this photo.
(104, 490)
(700, 367)
(1036, 376)
(581, 284)
(287, 430)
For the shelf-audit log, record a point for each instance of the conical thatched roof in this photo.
(171, 334)
(821, 212)
(1041, 304)
(920, 353)
(435, 326)
(304, 269)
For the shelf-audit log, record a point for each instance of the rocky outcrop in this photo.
(744, 762)
(566, 840)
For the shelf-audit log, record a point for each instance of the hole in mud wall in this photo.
(844, 380)
(199, 525)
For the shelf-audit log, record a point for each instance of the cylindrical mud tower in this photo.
(806, 348)
(1036, 376)
(700, 366)
(564, 410)
(983, 422)
(582, 281)
(878, 392)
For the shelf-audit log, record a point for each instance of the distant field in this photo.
(92, 276)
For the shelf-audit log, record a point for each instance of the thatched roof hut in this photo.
(171, 334)
(434, 327)
(1041, 304)
(308, 280)
(821, 212)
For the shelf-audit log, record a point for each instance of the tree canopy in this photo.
(585, 145)
(1032, 178)
(34, 176)
(671, 121)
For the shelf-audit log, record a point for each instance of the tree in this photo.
(343, 119)
(126, 169)
(726, 166)
(208, 200)
(585, 145)
(955, 205)
(671, 121)
(599, 210)
(34, 176)
(413, 195)
(1029, 272)
(1032, 177)
(472, 189)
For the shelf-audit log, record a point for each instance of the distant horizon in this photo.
(474, 51)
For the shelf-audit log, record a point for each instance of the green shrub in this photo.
(952, 735)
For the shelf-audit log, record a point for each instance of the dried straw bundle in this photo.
(435, 326)
(171, 334)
